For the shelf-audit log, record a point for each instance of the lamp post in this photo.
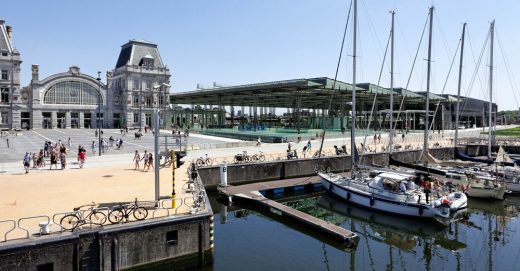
(11, 90)
(99, 113)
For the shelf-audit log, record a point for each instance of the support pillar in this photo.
(54, 119)
(67, 120)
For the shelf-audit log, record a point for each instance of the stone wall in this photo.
(256, 172)
(137, 244)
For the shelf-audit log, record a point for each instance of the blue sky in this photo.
(240, 42)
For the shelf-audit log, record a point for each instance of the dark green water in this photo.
(487, 237)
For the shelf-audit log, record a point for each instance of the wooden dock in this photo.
(251, 192)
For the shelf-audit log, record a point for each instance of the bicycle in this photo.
(204, 161)
(321, 168)
(258, 157)
(121, 211)
(79, 218)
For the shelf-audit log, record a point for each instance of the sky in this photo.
(233, 42)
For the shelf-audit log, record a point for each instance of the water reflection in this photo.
(487, 237)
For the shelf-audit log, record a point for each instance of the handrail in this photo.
(32, 217)
(12, 229)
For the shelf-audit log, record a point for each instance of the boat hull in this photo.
(486, 193)
(370, 201)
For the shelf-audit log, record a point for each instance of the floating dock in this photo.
(255, 193)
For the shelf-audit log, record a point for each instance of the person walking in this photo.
(7, 141)
(63, 160)
(120, 143)
(69, 143)
(150, 161)
(145, 159)
(309, 146)
(54, 160)
(27, 162)
(34, 159)
(258, 142)
(93, 147)
(137, 159)
(82, 155)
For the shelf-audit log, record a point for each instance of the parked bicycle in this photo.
(204, 161)
(241, 157)
(123, 211)
(81, 217)
(258, 157)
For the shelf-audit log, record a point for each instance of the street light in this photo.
(99, 113)
(159, 89)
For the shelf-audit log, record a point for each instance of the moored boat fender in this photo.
(372, 201)
(421, 209)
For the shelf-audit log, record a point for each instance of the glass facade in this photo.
(72, 92)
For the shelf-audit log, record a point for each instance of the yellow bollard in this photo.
(174, 161)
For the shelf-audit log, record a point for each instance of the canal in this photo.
(486, 237)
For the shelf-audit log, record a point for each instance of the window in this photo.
(148, 101)
(161, 100)
(136, 117)
(5, 117)
(5, 75)
(136, 100)
(172, 238)
(136, 84)
(4, 95)
(72, 92)
(148, 85)
(4, 54)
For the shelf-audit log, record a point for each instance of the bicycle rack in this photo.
(59, 223)
(32, 217)
(12, 229)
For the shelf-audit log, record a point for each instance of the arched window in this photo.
(72, 92)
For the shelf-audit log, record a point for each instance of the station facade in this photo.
(138, 84)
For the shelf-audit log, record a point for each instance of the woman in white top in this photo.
(137, 159)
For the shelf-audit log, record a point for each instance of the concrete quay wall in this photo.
(160, 242)
(284, 169)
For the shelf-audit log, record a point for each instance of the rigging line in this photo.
(374, 101)
(371, 25)
(506, 64)
(445, 41)
(411, 71)
(446, 82)
(477, 66)
(334, 83)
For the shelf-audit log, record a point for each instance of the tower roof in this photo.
(135, 50)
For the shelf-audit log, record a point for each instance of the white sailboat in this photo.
(484, 186)
(387, 192)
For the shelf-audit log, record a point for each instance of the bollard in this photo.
(174, 162)
(223, 174)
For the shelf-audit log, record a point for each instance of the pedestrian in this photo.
(120, 143)
(379, 138)
(375, 138)
(27, 162)
(34, 158)
(93, 147)
(304, 151)
(145, 159)
(70, 143)
(126, 129)
(309, 146)
(7, 140)
(63, 160)
(54, 160)
(121, 130)
(137, 159)
(96, 133)
(289, 146)
(150, 160)
(402, 137)
(82, 156)
(258, 142)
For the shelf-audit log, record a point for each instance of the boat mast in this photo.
(490, 117)
(427, 107)
(458, 89)
(391, 136)
(353, 122)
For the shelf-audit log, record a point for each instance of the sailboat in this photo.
(388, 192)
(487, 186)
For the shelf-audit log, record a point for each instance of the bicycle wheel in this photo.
(115, 216)
(235, 160)
(69, 222)
(97, 218)
(199, 162)
(140, 213)
(209, 161)
(261, 158)
(254, 158)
